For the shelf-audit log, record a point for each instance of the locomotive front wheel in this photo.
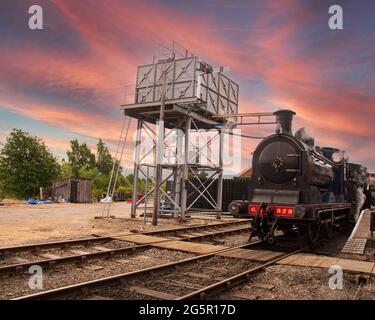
(312, 233)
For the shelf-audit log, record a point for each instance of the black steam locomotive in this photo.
(299, 190)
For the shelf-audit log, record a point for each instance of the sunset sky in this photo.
(67, 81)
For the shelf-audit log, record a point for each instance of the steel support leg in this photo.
(136, 169)
(219, 198)
(185, 171)
(178, 171)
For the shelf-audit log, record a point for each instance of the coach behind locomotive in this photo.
(295, 189)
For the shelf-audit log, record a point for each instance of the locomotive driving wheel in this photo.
(328, 230)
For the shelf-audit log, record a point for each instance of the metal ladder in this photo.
(116, 167)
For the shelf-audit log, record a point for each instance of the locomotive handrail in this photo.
(320, 157)
(316, 154)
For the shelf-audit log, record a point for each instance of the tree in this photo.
(25, 165)
(104, 160)
(80, 157)
(66, 170)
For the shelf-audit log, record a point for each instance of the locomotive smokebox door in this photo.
(279, 161)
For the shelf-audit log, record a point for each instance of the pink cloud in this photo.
(83, 91)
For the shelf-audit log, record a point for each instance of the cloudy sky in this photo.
(68, 80)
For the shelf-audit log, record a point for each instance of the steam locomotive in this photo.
(300, 190)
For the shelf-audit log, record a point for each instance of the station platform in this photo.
(361, 233)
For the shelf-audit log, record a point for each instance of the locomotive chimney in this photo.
(285, 118)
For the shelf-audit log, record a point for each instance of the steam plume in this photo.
(361, 180)
(304, 136)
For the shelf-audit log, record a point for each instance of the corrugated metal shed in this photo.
(77, 190)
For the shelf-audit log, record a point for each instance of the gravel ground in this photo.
(215, 269)
(298, 283)
(235, 239)
(370, 251)
(64, 275)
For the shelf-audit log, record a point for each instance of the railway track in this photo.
(198, 277)
(46, 260)
(166, 278)
(90, 286)
(93, 240)
(233, 281)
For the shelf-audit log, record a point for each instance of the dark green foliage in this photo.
(66, 170)
(25, 165)
(104, 160)
(80, 157)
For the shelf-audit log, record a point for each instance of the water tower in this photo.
(175, 98)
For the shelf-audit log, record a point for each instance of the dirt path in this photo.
(22, 223)
(29, 223)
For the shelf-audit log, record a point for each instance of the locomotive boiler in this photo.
(296, 189)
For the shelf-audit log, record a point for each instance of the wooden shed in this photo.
(77, 190)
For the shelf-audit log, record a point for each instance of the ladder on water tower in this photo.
(116, 167)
